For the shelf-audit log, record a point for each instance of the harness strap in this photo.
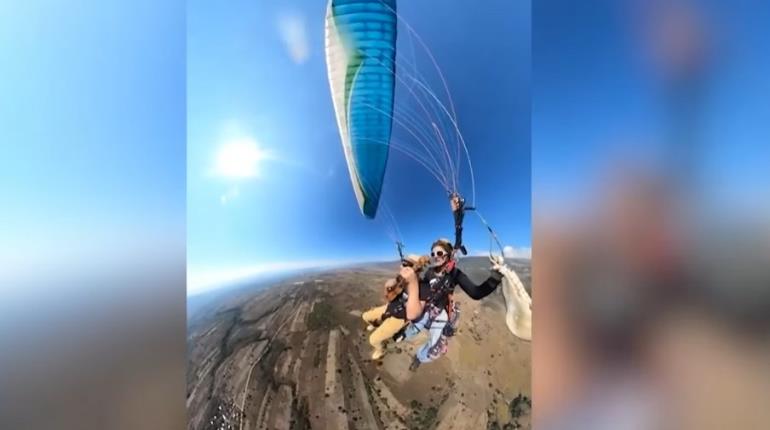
(458, 212)
(400, 248)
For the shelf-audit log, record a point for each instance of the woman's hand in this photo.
(408, 274)
(497, 262)
(454, 202)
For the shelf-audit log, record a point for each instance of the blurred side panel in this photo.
(92, 225)
(652, 214)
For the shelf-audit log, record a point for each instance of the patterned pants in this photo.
(437, 343)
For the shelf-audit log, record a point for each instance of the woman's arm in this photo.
(478, 292)
(414, 306)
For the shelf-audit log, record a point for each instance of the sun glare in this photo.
(239, 159)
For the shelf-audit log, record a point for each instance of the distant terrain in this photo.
(294, 354)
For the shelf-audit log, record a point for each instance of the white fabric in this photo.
(518, 303)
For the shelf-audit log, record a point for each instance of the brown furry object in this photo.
(394, 287)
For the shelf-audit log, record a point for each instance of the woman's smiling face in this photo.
(439, 255)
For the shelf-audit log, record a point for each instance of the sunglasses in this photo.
(438, 254)
(406, 263)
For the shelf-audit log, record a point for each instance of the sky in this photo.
(267, 180)
(597, 93)
(90, 176)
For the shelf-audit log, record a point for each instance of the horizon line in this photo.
(202, 281)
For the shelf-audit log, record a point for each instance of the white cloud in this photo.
(508, 251)
(518, 252)
(292, 30)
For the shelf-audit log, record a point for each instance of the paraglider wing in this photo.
(360, 60)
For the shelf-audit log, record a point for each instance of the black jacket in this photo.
(436, 288)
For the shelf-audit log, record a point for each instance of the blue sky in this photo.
(257, 74)
(90, 175)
